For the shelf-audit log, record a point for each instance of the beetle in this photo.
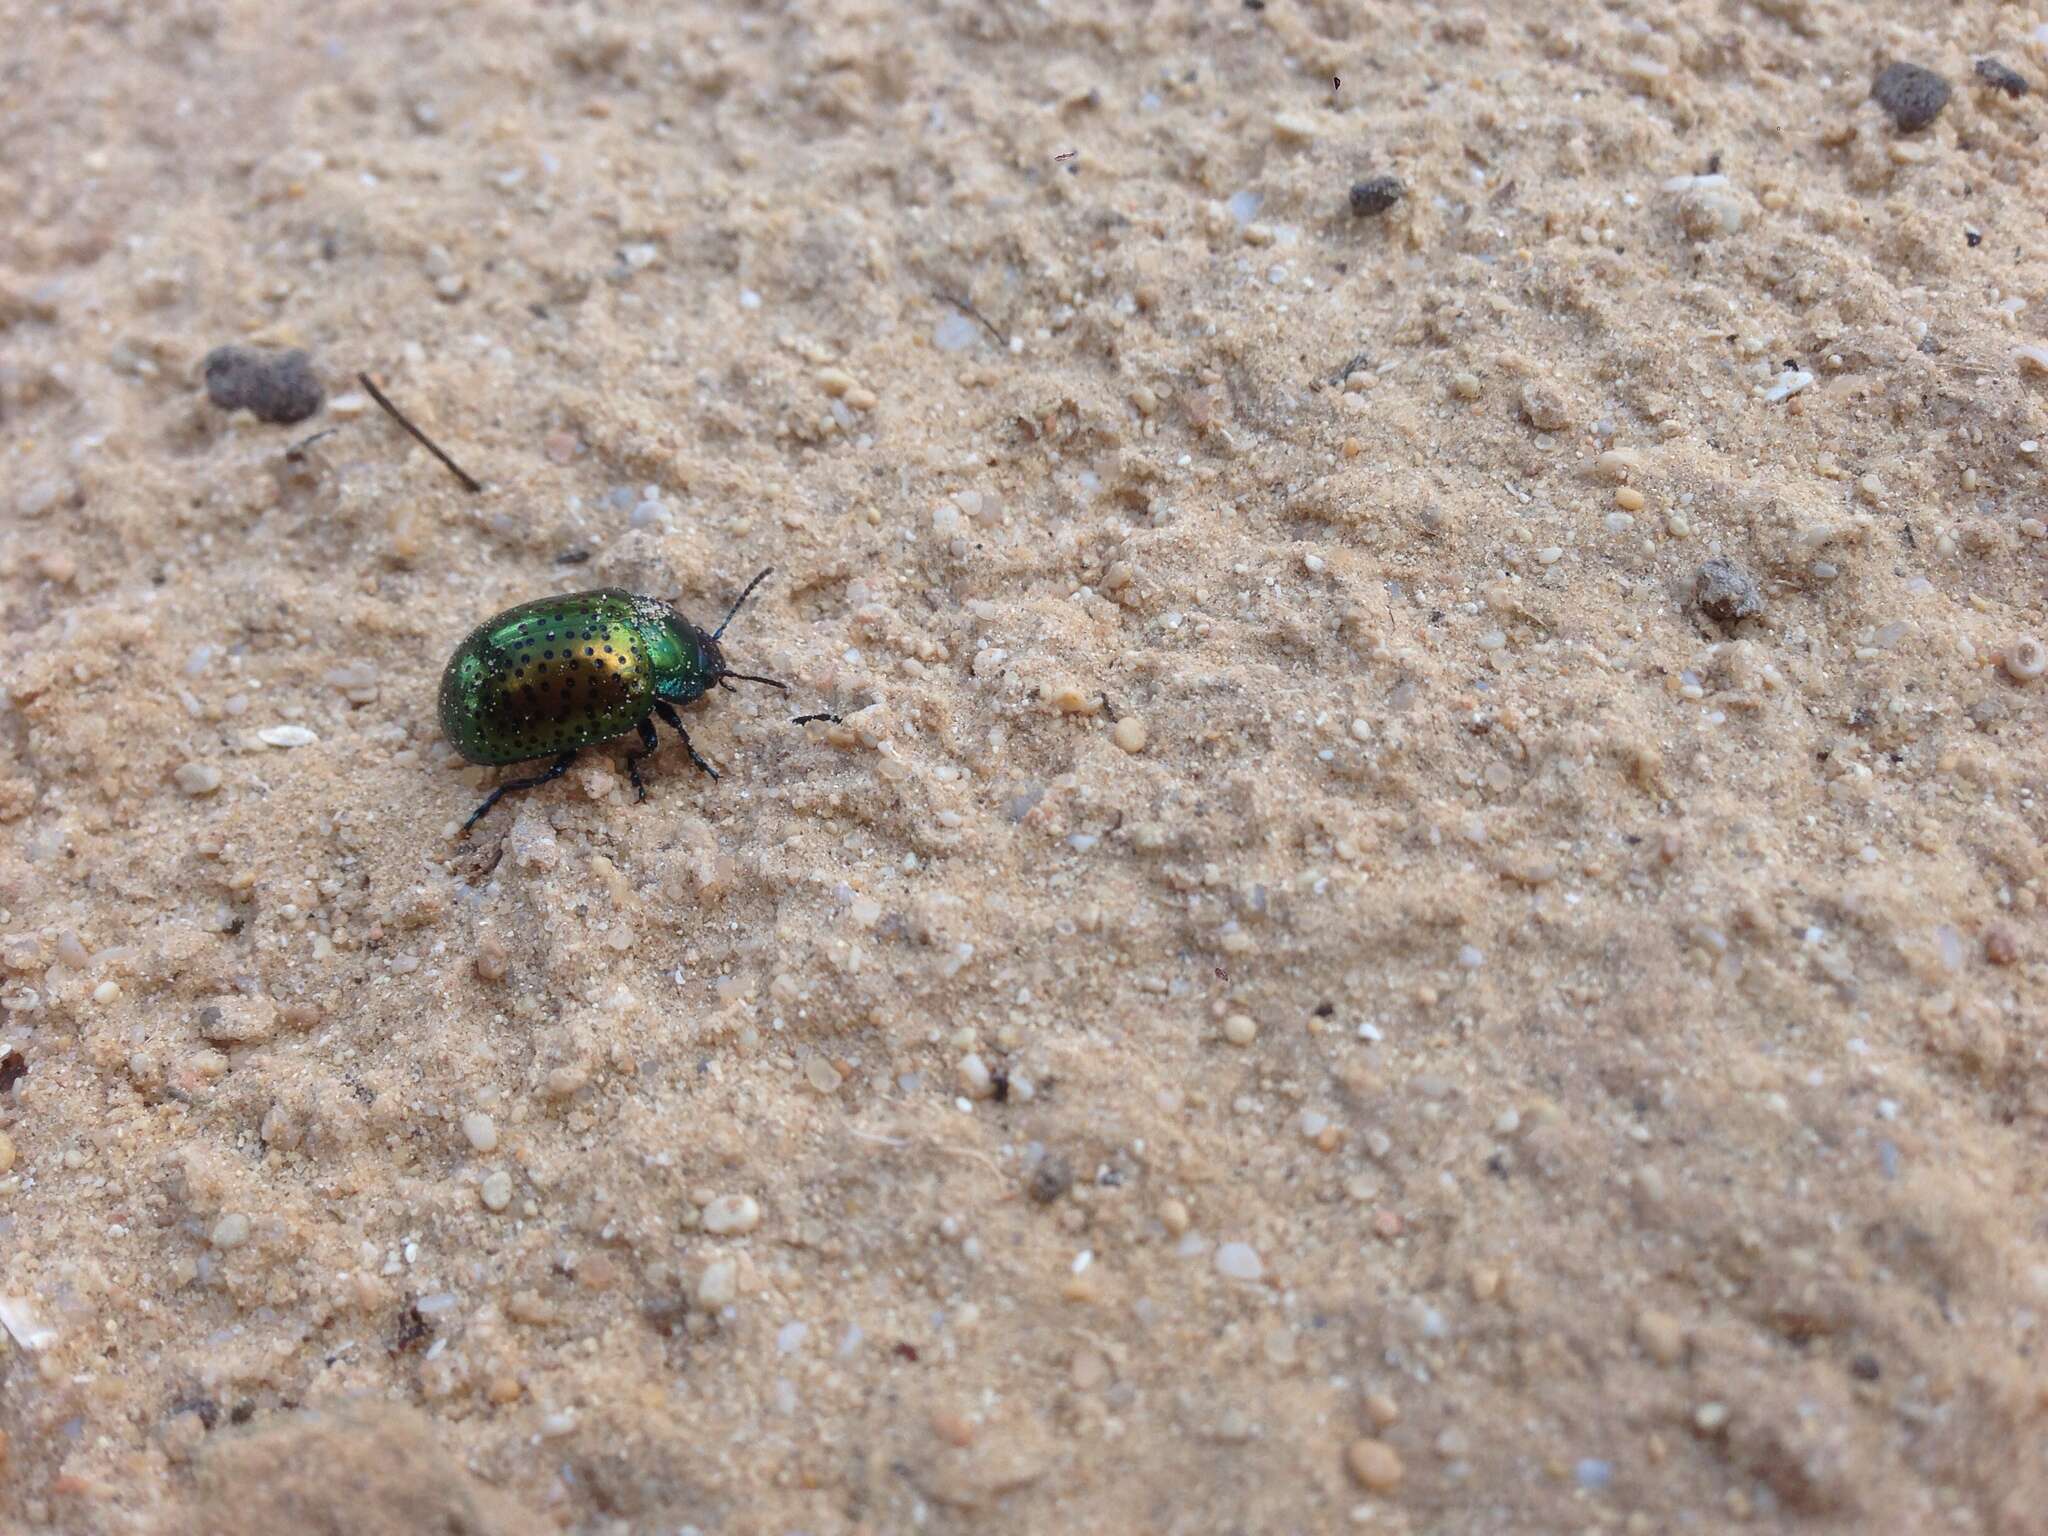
(559, 674)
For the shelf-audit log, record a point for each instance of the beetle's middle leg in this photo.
(667, 711)
(648, 743)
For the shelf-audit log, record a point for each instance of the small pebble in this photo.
(732, 1214)
(197, 779)
(2025, 659)
(1382, 1410)
(479, 1131)
(1375, 1464)
(2000, 945)
(1239, 1261)
(286, 736)
(6, 1152)
(1723, 590)
(1240, 1029)
(1628, 498)
(719, 1284)
(1465, 385)
(1130, 734)
(496, 1190)
(1661, 1335)
(1543, 405)
(821, 1075)
(1375, 195)
(1912, 96)
(231, 1231)
(1999, 76)
(271, 385)
(975, 1079)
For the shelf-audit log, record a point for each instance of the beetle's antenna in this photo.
(736, 608)
(746, 677)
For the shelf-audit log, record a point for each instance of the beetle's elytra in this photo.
(559, 674)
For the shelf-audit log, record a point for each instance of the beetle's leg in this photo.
(555, 770)
(648, 743)
(807, 719)
(667, 711)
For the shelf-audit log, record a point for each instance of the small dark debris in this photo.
(905, 1350)
(1714, 163)
(1497, 1165)
(413, 1330)
(207, 1409)
(1865, 1367)
(1375, 195)
(999, 1084)
(242, 1412)
(271, 385)
(1972, 237)
(13, 1068)
(2003, 77)
(1325, 1010)
(572, 557)
(1255, 5)
(1053, 1177)
(1725, 591)
(1913, 97)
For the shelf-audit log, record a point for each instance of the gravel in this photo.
(1723, 590)
(1913, 97)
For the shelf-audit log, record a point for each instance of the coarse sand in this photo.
(1427, 912)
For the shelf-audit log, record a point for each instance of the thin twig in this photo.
(967, 308)
(469, 483)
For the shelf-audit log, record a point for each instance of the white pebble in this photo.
(975, 1080)
(955, 333)
(790, 1337)
(231, 1231)
(197, 778)
(732, 1214)
(496, 1190)
(1239, 1261)
(286, 736)
(481, 1133)
(719, 1284)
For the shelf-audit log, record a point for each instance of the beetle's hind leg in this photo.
(669, 717)
(807, 719)
(554, 771)
(648, 743)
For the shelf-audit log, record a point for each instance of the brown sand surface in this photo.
(1326, 981)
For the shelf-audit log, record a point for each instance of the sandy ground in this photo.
(1320, 985)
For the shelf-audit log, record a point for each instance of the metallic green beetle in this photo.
(560, 674)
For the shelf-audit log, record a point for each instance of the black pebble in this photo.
(272, 386)
(1725, 591)
(1971, 237)
(1375, 195)
(2002, 77)
(1913, 96)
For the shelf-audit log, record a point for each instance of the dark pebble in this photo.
(1375, 195)
(1052, 1178)
(1865, 1368)
(1913, 96)
(2002, 77)
(1725, 591)
(272, 386)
